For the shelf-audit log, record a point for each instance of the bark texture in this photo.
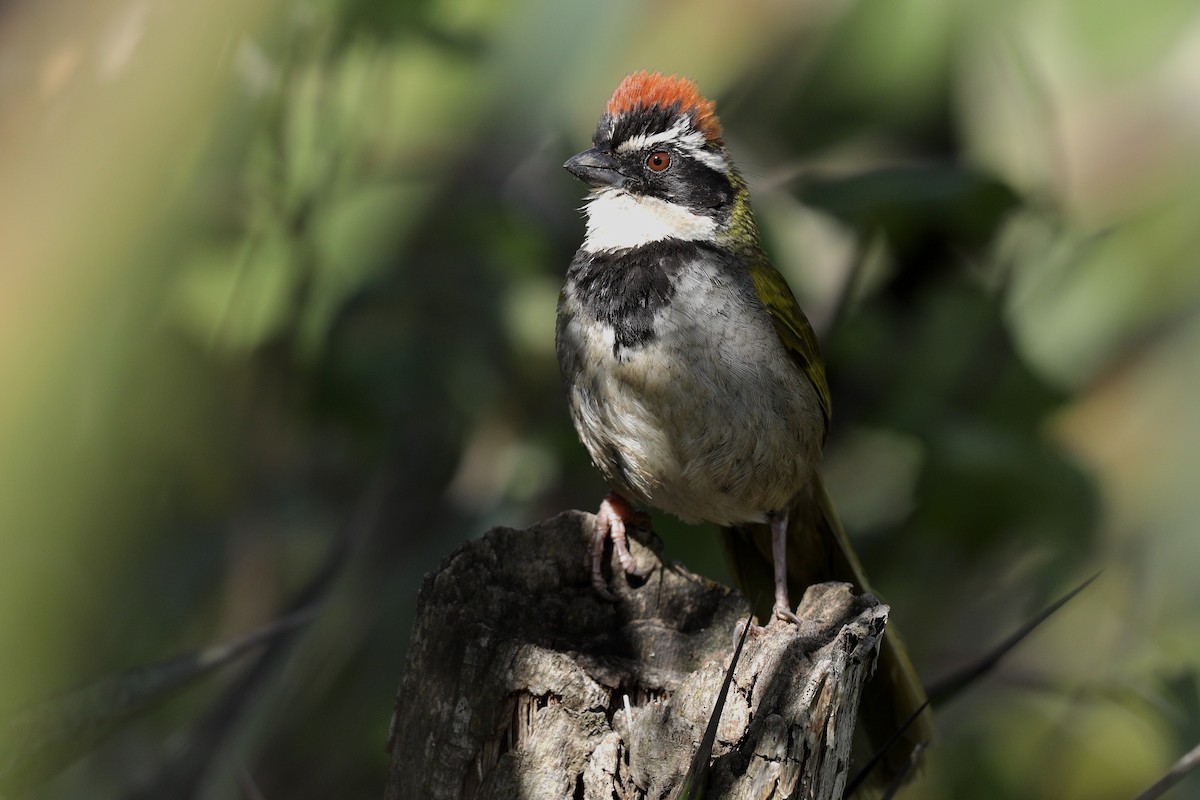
(522, 683)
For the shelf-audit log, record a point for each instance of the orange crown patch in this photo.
(646, 89)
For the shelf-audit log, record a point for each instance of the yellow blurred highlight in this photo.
(110, 106)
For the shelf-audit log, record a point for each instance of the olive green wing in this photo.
(792, 326)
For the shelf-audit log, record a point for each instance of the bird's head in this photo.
(660, 170)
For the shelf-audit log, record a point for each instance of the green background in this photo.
(274, 273)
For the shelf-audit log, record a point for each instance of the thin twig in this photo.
(948, 687)
(903, 774)
(695, 783)
(878, 755)
(1182, 767)
(952, 684)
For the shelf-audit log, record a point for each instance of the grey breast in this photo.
(705, 416)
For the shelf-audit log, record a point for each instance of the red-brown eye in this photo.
(658, 161)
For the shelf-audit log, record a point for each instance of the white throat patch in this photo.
(617, 220)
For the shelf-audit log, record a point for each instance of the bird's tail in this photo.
(817, 551)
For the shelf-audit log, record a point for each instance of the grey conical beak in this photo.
(595, 167)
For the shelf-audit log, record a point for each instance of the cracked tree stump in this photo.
(522, 683)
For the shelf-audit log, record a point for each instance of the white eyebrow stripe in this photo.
(713, 161)
(643, 140)
(692, 142)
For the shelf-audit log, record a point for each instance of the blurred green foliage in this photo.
(274, 276)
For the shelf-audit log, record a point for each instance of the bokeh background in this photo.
(277, 286)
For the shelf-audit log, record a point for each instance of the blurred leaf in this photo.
(1181, 695)
(960, 204)
(236, 298)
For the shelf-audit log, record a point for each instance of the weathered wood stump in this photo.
(521, 682)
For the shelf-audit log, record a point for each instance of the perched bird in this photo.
(694, 379)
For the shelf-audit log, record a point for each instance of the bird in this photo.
(693, 377)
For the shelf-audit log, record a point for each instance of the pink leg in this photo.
(783, 606)
(610, 524)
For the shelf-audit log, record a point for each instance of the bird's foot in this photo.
(805, 627)
(740, 628)
(615, 512)
(786, 614)
(757, 630)
(783, 607)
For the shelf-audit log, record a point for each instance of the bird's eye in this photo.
(658, 161)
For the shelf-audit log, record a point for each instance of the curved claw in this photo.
(595, 556)
(786, 614)
(610, 524)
